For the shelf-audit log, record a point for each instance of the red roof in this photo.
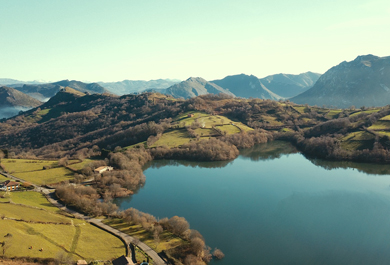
(10, 183)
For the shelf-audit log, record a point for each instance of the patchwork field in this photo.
(332, 114)
(380, 125)
(33, 171)
(358, 141)
(40, 227)
(173, 138)
(365, 111)
(206, 124)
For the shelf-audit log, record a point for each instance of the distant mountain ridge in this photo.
(12, 101)
(246, 86)
(364, 81)
(193, 87)
(135, 86)
(10, 82)
(287, 85)
(44, 92)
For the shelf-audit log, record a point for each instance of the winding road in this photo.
(97, 222)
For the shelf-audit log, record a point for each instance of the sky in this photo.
(101, 40)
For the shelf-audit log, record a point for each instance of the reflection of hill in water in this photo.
(265, 151)
(271, 150)
(163, 163)
(378, 169)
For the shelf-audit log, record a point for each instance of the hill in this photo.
(364, 81)
(136, 86)
(287, 85)
(45, 91)
(12, 101)
(246, 86)
(10, 82)
(195, 86)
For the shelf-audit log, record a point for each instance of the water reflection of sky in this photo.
(282, 210)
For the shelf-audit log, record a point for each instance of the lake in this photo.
(272, 205)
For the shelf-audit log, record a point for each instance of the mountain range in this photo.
(136, 86)
(245, 86)
(13, 101)
(287, 86)
(193, 87)
(43, 92)
(364, 81)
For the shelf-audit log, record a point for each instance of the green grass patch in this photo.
(80, 165)
(383, 133)
(358, 141)
(32, 171)
(206, 120)
(26, 165)
(50, 176)
(229, 129)
(300, 109)
(37, 115)
(2, 178)
(31, 214)
(34, 199)
(359, 136)
(365, 111)
(386, 118)
(380, 125)
(332, 114)
(74, 236)
(286, 130)
(24, 235)
(173, 138)
(206, 132)
(86, 241)
(271, 120)
(94, 243)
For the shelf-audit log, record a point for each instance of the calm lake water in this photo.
(271, 205)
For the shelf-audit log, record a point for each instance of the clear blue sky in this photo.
(102, 40)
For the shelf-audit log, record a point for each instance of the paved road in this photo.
(97, 222)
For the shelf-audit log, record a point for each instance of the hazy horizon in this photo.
(149, 40)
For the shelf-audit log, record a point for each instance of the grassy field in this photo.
(300, 109)
(380, 125)
(271, 120)
(2, 178)
(332, 114)
(229, 129)
(386, 118)
(71, 236)
(179, 135)
(34, 199)
(79, 165)
(383, 133)
(167, 239)
(31, 214)
(358, 141)
(365, 111)
(173, 138)
(32, 170)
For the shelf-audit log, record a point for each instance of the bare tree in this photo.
(2, 155)
(156, 234)
(218, 254)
